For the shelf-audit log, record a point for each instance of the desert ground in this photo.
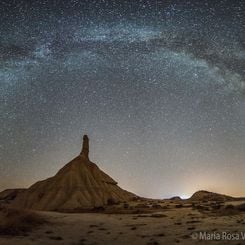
(143, 221)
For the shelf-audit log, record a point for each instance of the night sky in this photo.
(159, 87)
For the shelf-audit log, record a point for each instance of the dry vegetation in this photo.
(219, 208)
(142, 221)
(18, 222)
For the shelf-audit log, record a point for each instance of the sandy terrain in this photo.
(173, 224)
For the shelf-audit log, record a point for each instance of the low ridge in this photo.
(209, 196)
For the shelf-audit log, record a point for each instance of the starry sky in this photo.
(159, 87)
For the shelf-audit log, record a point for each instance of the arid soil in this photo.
(140, 222)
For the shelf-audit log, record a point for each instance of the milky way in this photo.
(159, 86)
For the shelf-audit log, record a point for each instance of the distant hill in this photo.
(210, 196)
(175, 198)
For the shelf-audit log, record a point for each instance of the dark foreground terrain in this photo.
(140, 222)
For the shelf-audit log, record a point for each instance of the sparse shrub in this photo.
(158, 215)
(18, 222)
(230, 206)
(241, 207)
(179, 205)
(126, 205)
(203, 208)
(157, 206)
(98, 209)
(216, 206)
(178, 223)
(57, 238)
(142, 205)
